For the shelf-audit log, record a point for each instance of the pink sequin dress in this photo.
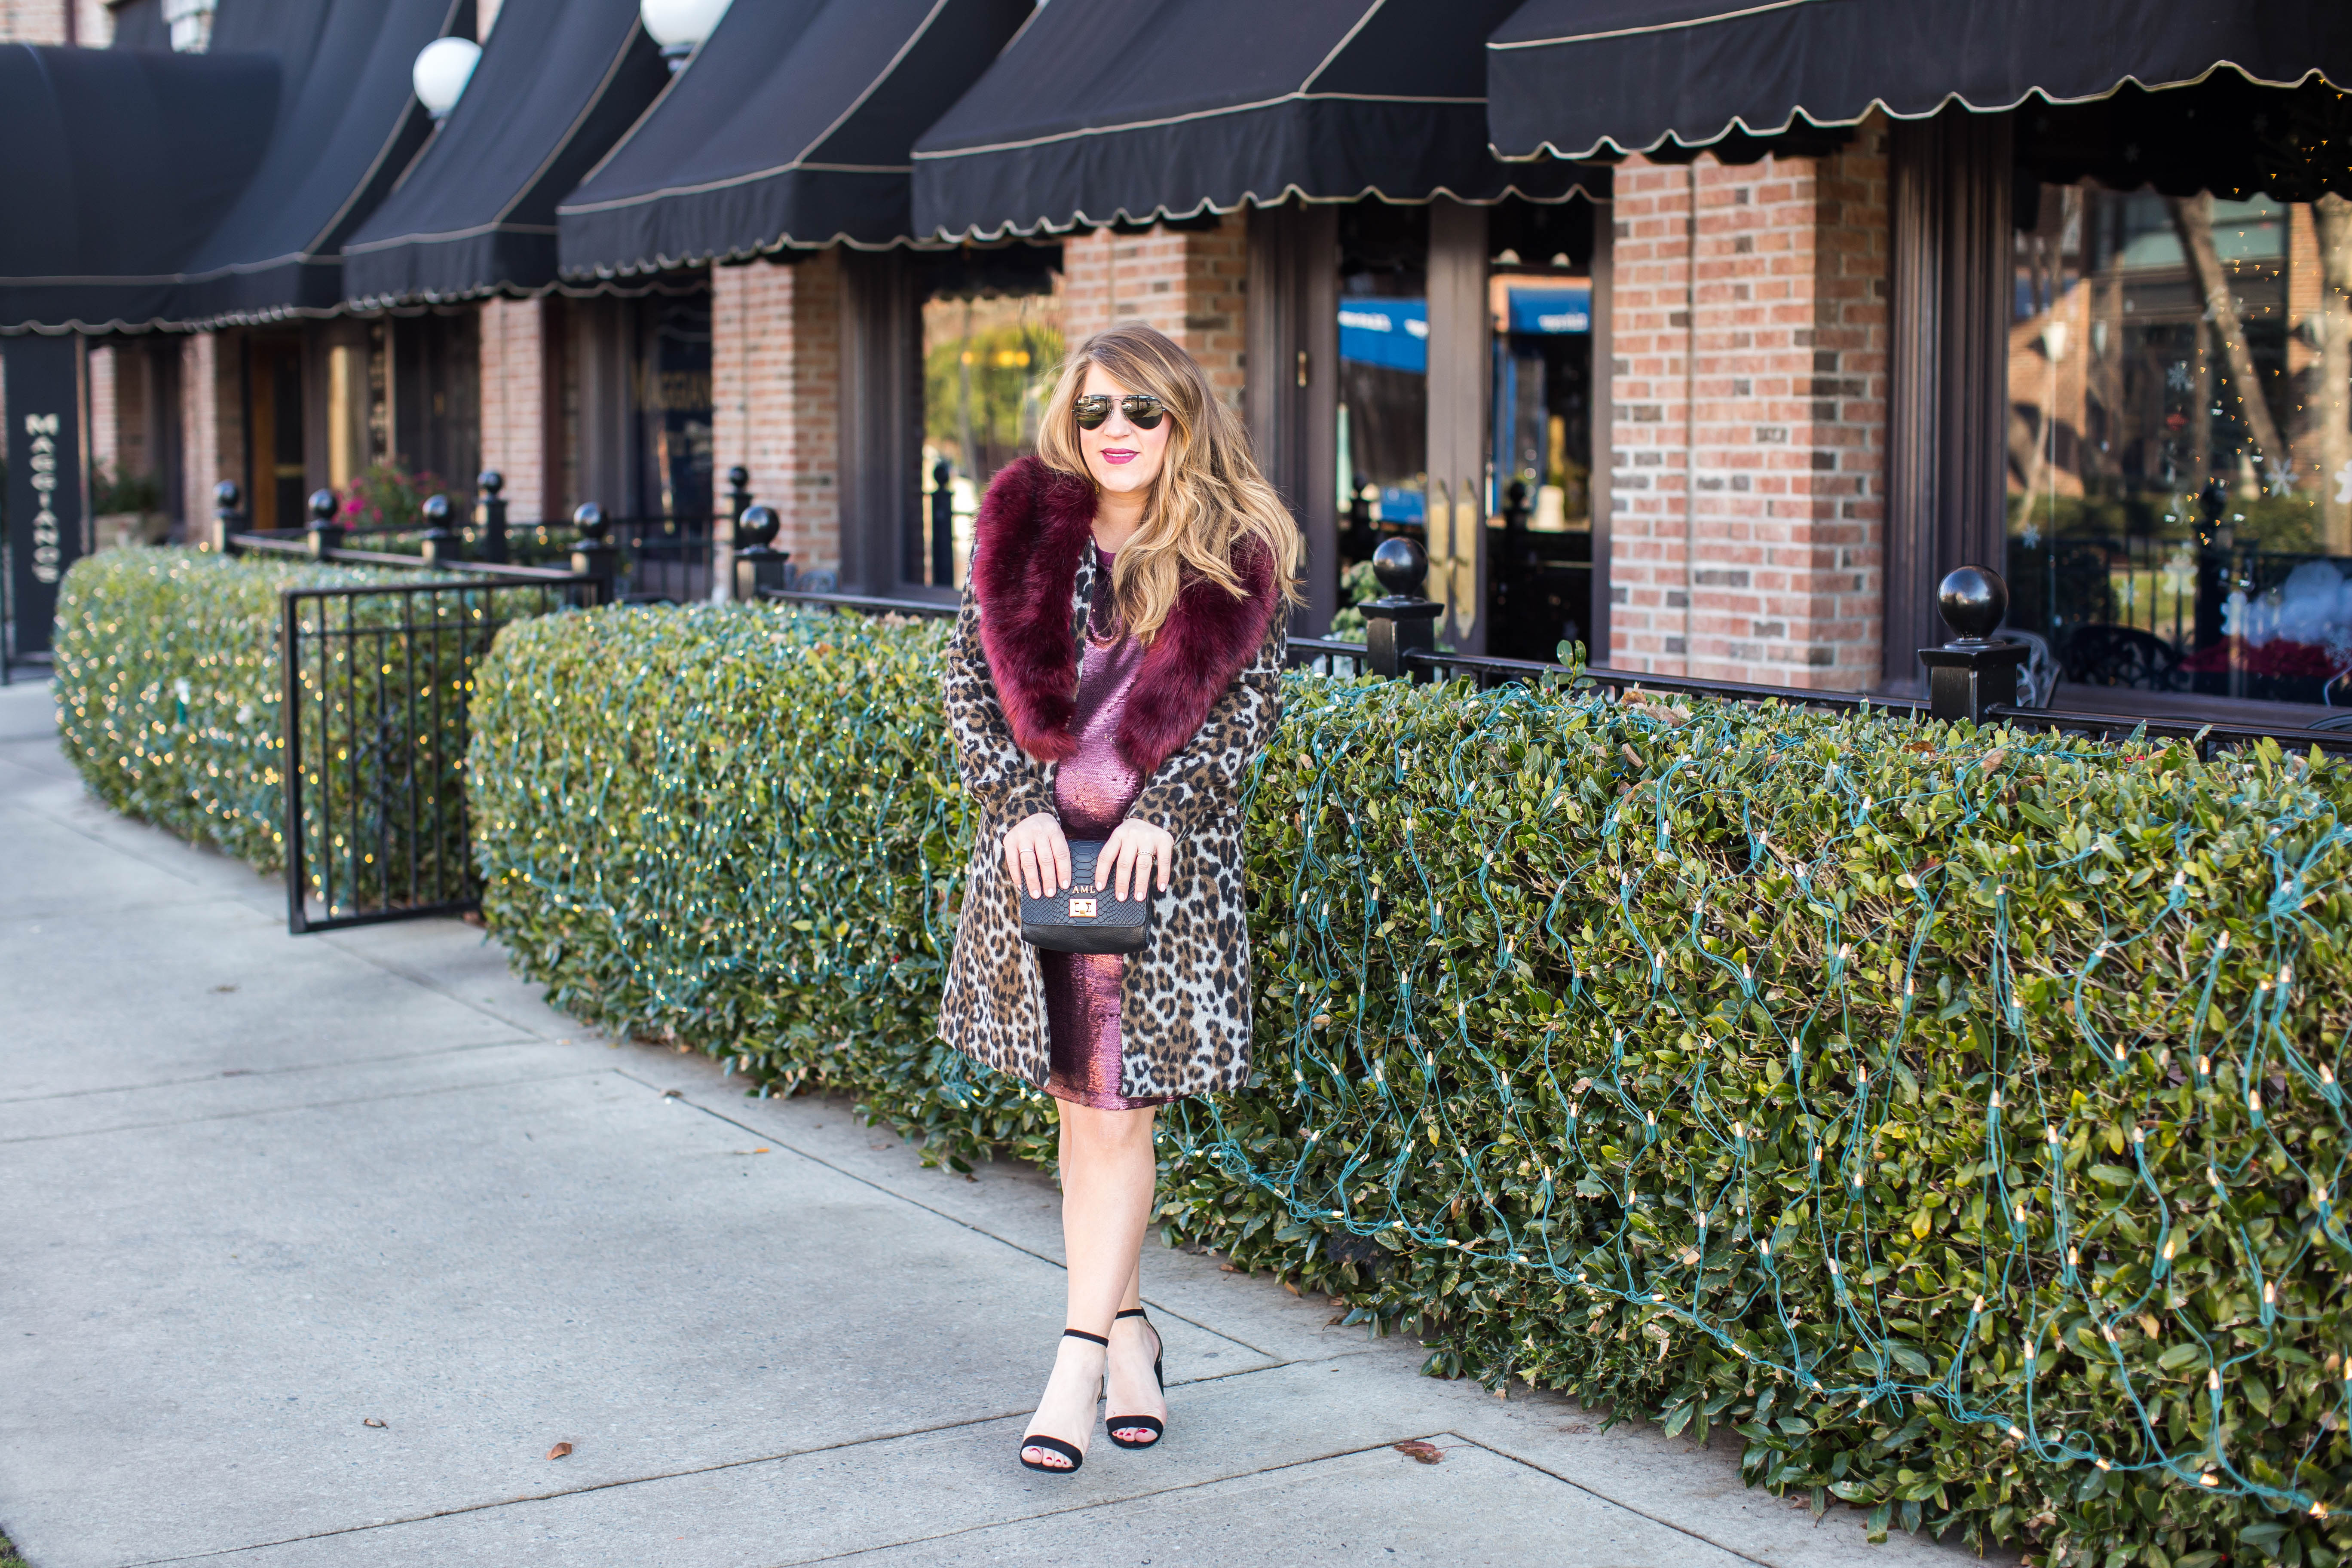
(1092, 792)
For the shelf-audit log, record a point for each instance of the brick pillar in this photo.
(212, 420)
(522, 406)
(1189, 284)
(775, 362)
(106, 411)
(1754, 431)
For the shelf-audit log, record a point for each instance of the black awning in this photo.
(791, 127)
(1149, 109)
(346, 128)
(1574, 78)
(118, 165)
(558, 82)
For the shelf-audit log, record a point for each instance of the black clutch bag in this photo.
(1085, 918)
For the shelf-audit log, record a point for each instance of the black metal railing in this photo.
(378, 684)
(1974, 676)
(649, 560)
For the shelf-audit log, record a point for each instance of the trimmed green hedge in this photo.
(1954, 1115)
(168, 685)
(170, 692)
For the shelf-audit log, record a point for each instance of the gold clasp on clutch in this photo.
(1082, 909)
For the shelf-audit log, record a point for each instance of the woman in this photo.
(1116, 667)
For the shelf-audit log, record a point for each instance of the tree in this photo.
(2192, 218)
(2332, 215)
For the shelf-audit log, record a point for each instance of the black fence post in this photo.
(491, 486)
(942, 524)
(440, 544)
(326, 534)
(1402, 622)
(1360, 521)
(1972, 672)
(228, 516)
(593, 557)
(758, 563)
(739, 492)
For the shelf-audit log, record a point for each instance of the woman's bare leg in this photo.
(1108, 1171)
(1134, 1346)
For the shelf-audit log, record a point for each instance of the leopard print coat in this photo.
(1205, 703)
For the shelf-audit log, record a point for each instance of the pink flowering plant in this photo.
(386, 496)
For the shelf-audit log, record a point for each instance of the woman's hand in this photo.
(1037, 854)
(1131, 853)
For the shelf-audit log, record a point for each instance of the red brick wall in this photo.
(107, 425)
(1785, 436)
(776, 393)
(46, 22)
(212, 421)
(517, 421)
(1189, 285)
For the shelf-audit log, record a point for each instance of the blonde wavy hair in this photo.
(1208, 499)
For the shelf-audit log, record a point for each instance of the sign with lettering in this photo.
(46, 512)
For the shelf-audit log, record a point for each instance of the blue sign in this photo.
(1552, 310)
(1391, 333)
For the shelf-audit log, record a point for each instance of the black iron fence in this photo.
(378, 681)
(1974, 676)
(379, 677)
(653, 560)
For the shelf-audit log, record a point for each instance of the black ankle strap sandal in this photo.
(1070, 1451)
(1152, 1423)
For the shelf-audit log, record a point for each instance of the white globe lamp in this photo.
(443, 68)
(680, 27)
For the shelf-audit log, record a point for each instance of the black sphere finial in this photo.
(435, 511)
(589, 518)
(1402, 565)
(739, 476)
(322, 507)
(758, 527)
(490, 482)
(225, 495)
(1973, 600)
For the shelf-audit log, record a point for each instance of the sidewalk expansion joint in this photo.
(1614, 1502)
(270, 1072)
(588, 1489)
(773, 1136)
(305, 1104)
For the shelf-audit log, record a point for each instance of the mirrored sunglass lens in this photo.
(1092, 412)
(1144, 412)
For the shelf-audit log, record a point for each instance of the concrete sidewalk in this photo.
(258, 1193)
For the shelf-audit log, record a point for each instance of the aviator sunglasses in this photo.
(1143, 412)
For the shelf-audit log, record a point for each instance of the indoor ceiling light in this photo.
(443, 68)
(680, 25)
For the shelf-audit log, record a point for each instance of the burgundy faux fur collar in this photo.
(1034, 527)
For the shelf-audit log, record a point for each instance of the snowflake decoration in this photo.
(2176, 377)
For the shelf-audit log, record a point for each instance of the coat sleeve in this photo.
(1007, 783)
(1206, 776)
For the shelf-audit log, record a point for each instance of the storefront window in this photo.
(991, 344)
(1384, 445)
(2179, 461)
(1539, 511)
(671, 393)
